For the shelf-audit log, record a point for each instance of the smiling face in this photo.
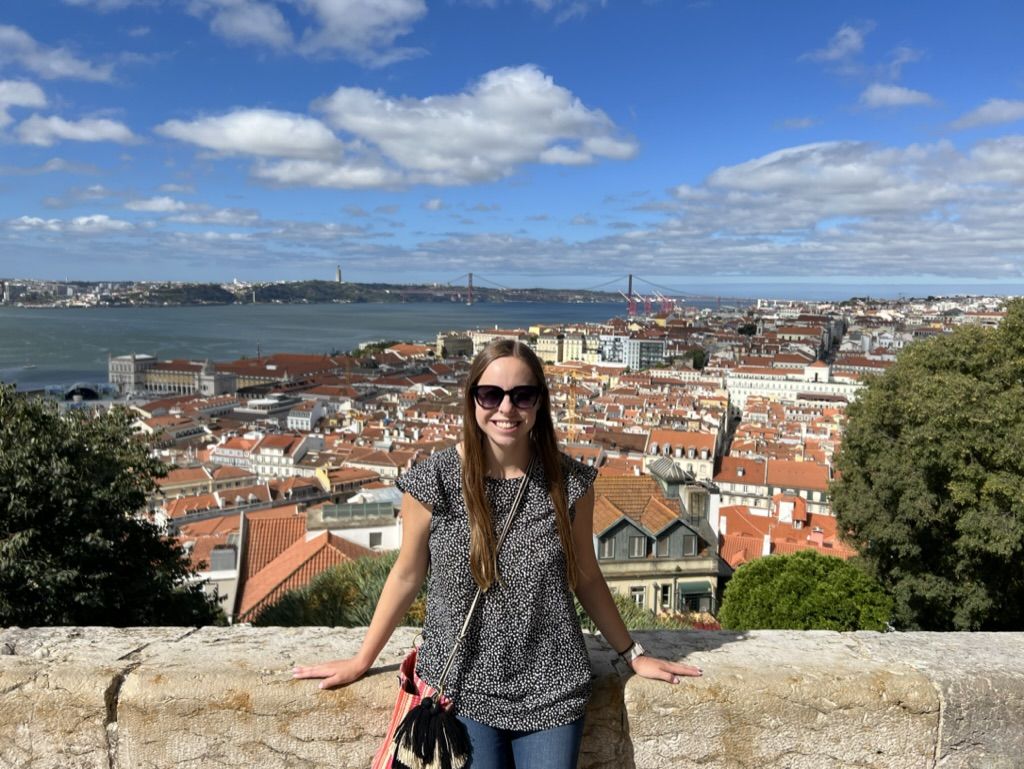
(506, 428)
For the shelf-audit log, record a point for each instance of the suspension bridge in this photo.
(654, 299)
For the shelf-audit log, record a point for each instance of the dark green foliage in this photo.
(803, 591)
(343, 596)
(699, 358)
(932, 479)
(189, 293)
(71, 552)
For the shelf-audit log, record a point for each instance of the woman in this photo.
(521, 680)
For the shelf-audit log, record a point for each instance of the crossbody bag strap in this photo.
(479, 591)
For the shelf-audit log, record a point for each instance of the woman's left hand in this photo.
(663, 670)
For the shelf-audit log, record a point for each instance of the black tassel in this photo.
(430, 737)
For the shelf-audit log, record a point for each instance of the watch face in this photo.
(636, 651)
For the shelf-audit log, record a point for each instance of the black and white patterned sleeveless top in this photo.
(524, 664)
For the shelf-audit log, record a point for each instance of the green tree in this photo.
(342, 596)
(803, 591)
(71, 550)
(698, 357)
(931, 488)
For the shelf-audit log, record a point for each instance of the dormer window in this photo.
(637, 547)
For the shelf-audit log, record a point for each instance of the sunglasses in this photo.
(491, 396)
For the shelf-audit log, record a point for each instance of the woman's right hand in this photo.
(334, 673)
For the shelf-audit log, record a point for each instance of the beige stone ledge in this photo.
(149, 698)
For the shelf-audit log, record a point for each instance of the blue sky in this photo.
(533, 142)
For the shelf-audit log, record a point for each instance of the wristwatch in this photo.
(633, 651)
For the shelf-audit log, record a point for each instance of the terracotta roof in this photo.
(605, 514)
(620, 466)
(226, 472)
(260, 491)
(241, 444)
(269, 533)
(285, 441)
(682, 439)
(753, 471)
(797, 475)
(295, 567)
(181, 475)
(637, 497)
(176, 508)
(206, 535)
(745, 532)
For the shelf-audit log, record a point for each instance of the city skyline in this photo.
(532, 142)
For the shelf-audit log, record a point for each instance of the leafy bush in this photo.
(803, 591)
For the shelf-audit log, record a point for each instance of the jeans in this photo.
(556, 748)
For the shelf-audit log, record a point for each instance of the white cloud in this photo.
(181, 188)
(899, 58)
(434, 204)
(511, 116)
(18, 47)
(92, 224)
(992, 111)
(262, 132)
(319, 173)
(228, 217)
(245, 21)
(363, 30)
(998, 161)
(45, 131)
(157, 205)
(18, 93)
(565, 156)
(567, 9)
(884, 95)
(846, 43)
(23, 223)
(98, 223)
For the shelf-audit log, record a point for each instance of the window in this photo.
(666, 597)
(376, 539)
(637, 547)
(638, 595)
(607, 548)
(662, 550)
(690, 545)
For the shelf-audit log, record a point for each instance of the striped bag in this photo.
(411, 691)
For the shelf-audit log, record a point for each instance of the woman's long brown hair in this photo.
(482, 537)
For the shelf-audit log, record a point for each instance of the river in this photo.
(41, 347)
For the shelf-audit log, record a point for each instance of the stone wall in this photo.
(100, 698)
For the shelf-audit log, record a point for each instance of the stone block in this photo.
(226, 697)
(58, 693)
(780, 700)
